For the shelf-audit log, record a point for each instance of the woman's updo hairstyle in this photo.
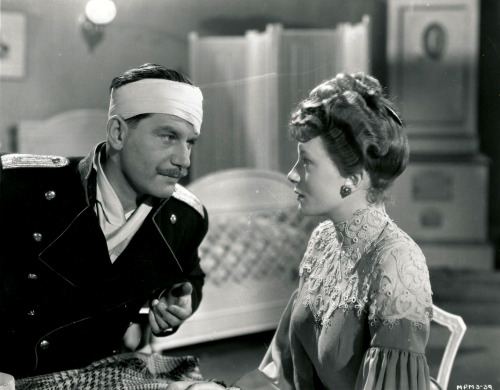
(359, 127)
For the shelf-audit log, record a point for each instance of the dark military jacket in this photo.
(63, 304)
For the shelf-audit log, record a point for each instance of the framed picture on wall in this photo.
(12, 44)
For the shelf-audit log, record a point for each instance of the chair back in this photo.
(457, 327)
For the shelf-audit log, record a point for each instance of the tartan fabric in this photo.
(129, 371)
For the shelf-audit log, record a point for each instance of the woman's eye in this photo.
(305, 162)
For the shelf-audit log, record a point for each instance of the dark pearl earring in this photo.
(345, 191)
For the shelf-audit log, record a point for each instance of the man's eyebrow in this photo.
(165, 128)
(173, 130)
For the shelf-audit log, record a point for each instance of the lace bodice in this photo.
(368, 265)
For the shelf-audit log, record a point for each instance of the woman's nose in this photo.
(293, 175)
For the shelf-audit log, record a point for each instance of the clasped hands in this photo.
(172, 309)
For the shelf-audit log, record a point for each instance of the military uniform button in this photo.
(37, 237)
(173, 219)
(49, 195)
(44, 344)
(32, 276)
(115, 352)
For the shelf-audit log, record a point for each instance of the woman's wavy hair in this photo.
(359, 127)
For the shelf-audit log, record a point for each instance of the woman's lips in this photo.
(299, 195)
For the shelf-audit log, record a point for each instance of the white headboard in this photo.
(251, 255)
(70, 133)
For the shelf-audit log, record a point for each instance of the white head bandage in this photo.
(158, 96)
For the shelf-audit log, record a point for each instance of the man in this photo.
(85, 243)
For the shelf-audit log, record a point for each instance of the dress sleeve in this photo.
(400, 308)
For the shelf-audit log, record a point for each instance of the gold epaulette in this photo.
(10, 161)
(186, 196)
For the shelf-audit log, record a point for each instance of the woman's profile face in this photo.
(316, 179)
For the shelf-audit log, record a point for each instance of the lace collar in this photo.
(344, 268)
(362, 229)
(351, 238)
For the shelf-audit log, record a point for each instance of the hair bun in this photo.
(367, 86)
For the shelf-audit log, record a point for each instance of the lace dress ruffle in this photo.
(360, 316)
(366, 264)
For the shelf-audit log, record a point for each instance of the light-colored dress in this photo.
(360, 316)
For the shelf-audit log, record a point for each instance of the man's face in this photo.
(156, 154)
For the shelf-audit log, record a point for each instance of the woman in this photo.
(360, 316)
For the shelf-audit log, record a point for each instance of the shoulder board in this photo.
(186, 196)
(10, 161)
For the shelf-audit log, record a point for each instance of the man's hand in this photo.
(171, 310)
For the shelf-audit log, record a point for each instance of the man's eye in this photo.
(191, 143)
(167, 137)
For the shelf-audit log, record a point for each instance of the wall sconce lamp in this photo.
(98, 14)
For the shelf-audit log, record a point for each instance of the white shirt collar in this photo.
(106, 196)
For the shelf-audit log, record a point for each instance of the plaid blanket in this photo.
(129, 371)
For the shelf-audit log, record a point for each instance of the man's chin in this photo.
(163, 193)
(168, 193)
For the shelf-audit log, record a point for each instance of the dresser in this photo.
(441, 199)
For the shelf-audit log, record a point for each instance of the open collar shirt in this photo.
(118, 227)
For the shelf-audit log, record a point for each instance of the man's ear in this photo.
(117, 132)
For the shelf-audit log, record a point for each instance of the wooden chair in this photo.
(457, 327)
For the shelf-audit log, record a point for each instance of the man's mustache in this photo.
(174, 172)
